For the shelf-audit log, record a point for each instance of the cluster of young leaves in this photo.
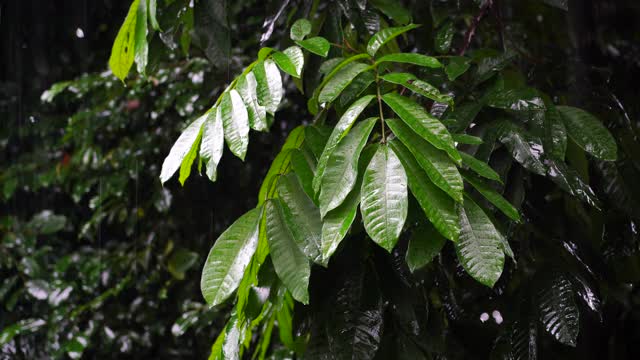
(309, 199)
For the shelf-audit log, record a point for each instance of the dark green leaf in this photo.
(558, 311)
(425, 243)
(457, 66)
(385, 35)
(436, 204)
(480, 167)
(589, 133)
(304, 168)
(394, 10)
(281, 163)
(418, 86)
(440, 169)
(425, 125)
(317, 45)
(525, 149)
(519, 99)
(466, 139)
(480, 247)
(444, 36)
(384, 200)
(569, 180)
(493, 196)
(291, 264)
(229, 257)
(555, 134)
(141, 45)
(340, 81)
(342, 167)
(357, 86)
(235, 120)
(411, 58)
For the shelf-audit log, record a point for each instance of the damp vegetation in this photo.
(343, 179)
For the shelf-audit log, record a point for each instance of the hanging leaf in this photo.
(518, 99)
(525, 149)
(285, 64)
(384, 200)
(235, 120)
(444, 37)
(185, 143)
(338, 221)
(569, 180)
(301, 215)
(300, 29)
(141, 45)
(339, 132)
(439, 208)
(385, 35)
(356, 88)
(269, 85)
(303, 168)
(466, 139)
(212, 142)
(480, 167)
(440, 169)
(341, 172)
(480, 247)
(411, 58)
(247, 86)
(229, 257)
(418, 86)
(316, 137)
(558, 311)
(281, 163)
(340, 81)
(555, 134)
(394, 10)
(317, 45)
(589, 133)
(123, 50)
(297, 58)
(425, 125)
(457, 66)
(425, 243)
(493, 196)
(291, 264)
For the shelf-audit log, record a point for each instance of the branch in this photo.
(471, 31)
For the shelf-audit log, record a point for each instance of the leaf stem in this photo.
(384, 139)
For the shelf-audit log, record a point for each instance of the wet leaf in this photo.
(411, 58)
(235, 120)
(558, 311)
(340, 81)
(317, 45)
(424, 245)
(493, 196)
(123, 50)
(285, 63)
(569, 180)
(385, 35)
(212, 142)
(141, 45)
(269, 85)
(394, 10)
(525, 149)
(457, 66)
(444, 36)
(300, 29)
(186, 142)
(417, 86)
(281, 163)
(589, 133)
(480, 167)
(247, 87)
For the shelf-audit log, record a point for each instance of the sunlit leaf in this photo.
(123, 50)
(212, 142)
(235, 120)
(187, 140)
(247, 87)
(269, 85)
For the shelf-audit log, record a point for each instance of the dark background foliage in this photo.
(100, 261)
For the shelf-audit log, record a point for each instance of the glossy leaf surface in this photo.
(235, 120)
(212, 142)
(385, 35)
(181, 148)
(411, 58)
(424, 245)
(123, 50)
(589, 133)
(340, 81)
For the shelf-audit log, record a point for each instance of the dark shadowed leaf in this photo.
(558, 311)
(589, 133)
(425, 243)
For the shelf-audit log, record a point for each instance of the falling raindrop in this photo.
(484, 317)
(79, 33)
(497, 316)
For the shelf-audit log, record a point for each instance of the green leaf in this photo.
(303, 167)
(141, 45)
(555, 134)
(440, 169)
(425, 125)
(297, 58)
(518, 99)
(480, 167)
(444, 36)
(181, 261)
(25, 326)
(384, 201)
(424, 245)
(229, 257)
(418, 86)
(54, 90)
(269, 85)
(186, 142)
(301, 215)
(317, 45)
(457, 66)
(290, 263)
(152, 15)
(525, 149)
(300, 29)
(493, 196)
(342, 167)
(123, 50)
(559, 314)
(235, 120)
(285, 64)
(338, 221)
(411, 58)
(187, 162)
(589, 133)
(394, 10)
(339, 131)
(340, 81)
(212, 142)
(439, 208)
(316, 137)
(247, 87)
(385, 35)
(480, 247)
(569, 180)
(357, 86)
(466, 139)
(281, 163)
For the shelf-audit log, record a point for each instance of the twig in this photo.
(471, 31)
(384, 139)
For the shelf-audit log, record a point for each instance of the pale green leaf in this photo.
(411, 58)
(247, 87)
(342, 167)
(212, 142)
(300, 29)
(439, 208)
(187, 140)
(269, 85)
(385, 35)
(339, 131)
(440, 169)
(235, 120)
(285, 64)
(425, 125)
(229, 257)
(290, 263)
(141, 45)
(589, 133)
(424, 245)
(123, 50)
(297, 58)
(384, 201)
(480, 246)
(153, 5)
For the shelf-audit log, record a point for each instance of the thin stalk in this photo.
(384, 139)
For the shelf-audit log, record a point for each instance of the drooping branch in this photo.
(471, 31)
